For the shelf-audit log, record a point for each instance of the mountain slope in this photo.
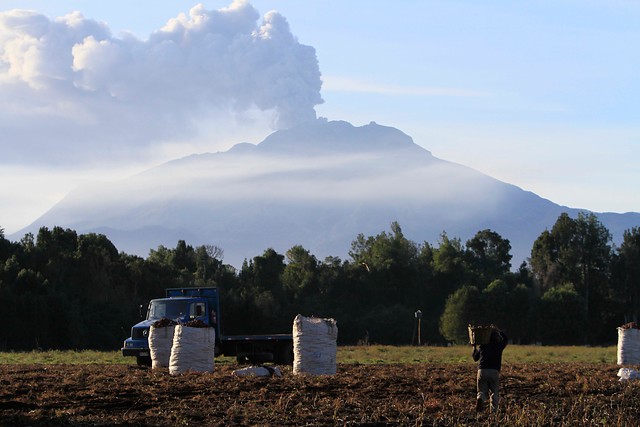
(317, 186)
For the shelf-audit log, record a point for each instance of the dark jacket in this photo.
(490, 355)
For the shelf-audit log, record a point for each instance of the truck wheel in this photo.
(284, 354)
(143, 360)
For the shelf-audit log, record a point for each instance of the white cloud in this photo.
(70, 91)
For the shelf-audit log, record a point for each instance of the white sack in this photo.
(193, 350)
(160, 343)
(628, 374)
(314, 345)
(258, 371)
(628, 346)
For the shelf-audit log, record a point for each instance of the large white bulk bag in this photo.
(314, 345)
(628, 346)
(193, 350)
(160, 343)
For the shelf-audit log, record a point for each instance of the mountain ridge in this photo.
(318, 186)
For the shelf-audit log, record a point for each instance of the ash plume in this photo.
(94, 94)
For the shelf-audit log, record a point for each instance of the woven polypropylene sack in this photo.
(314, 345)
(193, 350)
(628, 346)
(480, 334)
(160, 343)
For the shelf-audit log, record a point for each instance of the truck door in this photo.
(198, 311)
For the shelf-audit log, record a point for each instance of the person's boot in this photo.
(479, 405)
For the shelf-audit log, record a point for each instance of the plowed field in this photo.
(359, 395)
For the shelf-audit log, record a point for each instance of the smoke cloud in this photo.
(70, 90)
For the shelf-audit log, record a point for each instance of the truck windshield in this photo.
(168, 309)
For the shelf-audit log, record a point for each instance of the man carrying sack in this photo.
(489, 358)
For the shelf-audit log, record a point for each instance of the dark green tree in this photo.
(257, 301)
(561, 316)
(552, 256)
(7, 249)
(448, 257)
(97, 258)
(462, 308)
(390, 263)
(209, 266)
(594, 264)
(300, 276)
(385, 272)
(578, 251)
(510, 307)
(497, 306)
(627, 276)
(55, 256)
(488, 256)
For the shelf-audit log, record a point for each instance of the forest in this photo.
(64, 290)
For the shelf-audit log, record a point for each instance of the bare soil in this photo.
(359, 395)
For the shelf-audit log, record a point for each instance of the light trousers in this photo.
(488, 385)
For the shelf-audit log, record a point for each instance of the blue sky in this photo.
(542, 95)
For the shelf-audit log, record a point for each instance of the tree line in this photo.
(64, 290)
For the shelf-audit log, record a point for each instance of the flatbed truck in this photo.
(183, 305)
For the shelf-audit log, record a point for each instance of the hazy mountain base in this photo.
(318, 186)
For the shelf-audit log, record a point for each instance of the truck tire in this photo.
(284, 354)
(143, 360)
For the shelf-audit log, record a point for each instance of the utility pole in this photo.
(418, 318)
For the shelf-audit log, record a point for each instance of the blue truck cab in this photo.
(187, 304)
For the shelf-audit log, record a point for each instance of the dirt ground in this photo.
(359, 395)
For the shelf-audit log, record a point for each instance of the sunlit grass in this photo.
(374, 354)
(462, 354)
(84, 357)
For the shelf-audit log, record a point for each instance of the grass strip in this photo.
(374, 354)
